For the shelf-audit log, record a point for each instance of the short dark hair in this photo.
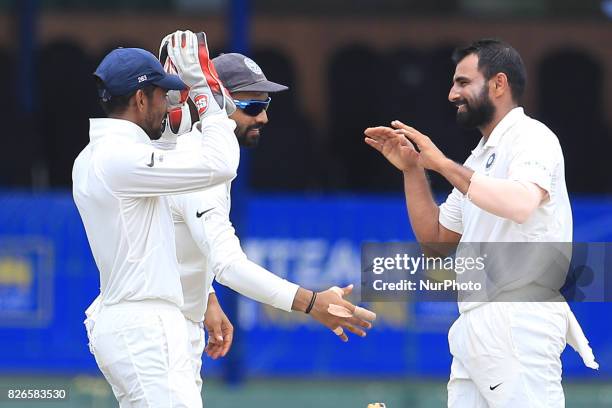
(495, 56)
(118, 104)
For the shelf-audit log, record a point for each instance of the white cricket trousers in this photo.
(508, 355)
(142, 348)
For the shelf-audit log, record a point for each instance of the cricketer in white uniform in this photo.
(510, 189)
(121, 182)
(207, 246)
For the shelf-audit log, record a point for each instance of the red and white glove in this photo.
(188, 55)
(178, 119)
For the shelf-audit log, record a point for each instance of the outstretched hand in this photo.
(398, 143)
(430, 157)
(337, 314)
(393, 146)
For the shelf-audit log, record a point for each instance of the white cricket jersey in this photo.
(208, 248)
(523, 149)
(120, 184)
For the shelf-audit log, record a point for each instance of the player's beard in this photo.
(478, 113)
(247, 137)
(154, 126)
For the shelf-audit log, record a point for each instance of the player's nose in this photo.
(262, 118)
(453, 95)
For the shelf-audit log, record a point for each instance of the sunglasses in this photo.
(253, 107)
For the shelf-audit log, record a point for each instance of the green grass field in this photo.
(93, 392)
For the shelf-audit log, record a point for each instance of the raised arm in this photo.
(515, 198)
(423, 211)
(141, 170)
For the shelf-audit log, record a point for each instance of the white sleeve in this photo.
(141, 170)
(216, 238)
(451, 212)
(511, 199)
(535, 159)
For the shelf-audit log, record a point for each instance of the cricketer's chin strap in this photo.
(341, 311)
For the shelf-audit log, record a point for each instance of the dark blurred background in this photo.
(350, 64)
(308, 196)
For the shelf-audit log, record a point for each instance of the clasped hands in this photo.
(405, 147)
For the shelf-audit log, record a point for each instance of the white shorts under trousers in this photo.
(142, 349)
(508, 355)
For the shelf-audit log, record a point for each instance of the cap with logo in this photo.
(241, 74)
(125, 70)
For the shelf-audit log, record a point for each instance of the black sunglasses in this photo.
(253, 107)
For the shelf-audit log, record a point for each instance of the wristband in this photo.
(312, 302)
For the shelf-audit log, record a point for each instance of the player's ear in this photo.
(140, 98)
(500, 84)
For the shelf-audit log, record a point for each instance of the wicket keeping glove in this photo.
(178, 119)
(188, 55)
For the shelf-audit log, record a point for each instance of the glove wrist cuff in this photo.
(204, 101)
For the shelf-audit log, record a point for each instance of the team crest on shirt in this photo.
(490, 161)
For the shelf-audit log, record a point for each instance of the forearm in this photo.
(422, 209)
(456, 174)
(232, 268)
(259, 284)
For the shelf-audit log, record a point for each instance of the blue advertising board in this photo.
(48, 278)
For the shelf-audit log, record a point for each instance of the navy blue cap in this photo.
(125, 70)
